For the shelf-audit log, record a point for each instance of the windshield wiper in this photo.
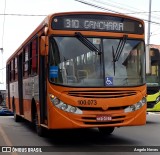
(87, 43)
(119, 50)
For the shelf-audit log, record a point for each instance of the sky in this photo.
(14, 29)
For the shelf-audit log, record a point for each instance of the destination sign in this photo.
(93, 22)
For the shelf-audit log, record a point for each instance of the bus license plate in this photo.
(103, 118)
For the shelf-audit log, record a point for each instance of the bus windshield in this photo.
(73, 63)
(153, 78)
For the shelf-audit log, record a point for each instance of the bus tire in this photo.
(17, 118)
(106, 130)
(39, 129)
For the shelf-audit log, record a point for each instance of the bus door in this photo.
(20, 83)
(42, 88)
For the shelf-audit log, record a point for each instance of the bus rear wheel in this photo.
(106, 130)
(16, 117)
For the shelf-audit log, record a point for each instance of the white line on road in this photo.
(6, 139)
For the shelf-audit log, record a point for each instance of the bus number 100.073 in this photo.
(87, 102)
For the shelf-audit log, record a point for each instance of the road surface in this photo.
(123, 141)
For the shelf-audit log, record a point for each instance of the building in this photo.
(154, 46)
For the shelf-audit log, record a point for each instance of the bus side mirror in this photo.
(43, 45)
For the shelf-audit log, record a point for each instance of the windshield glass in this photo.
(72, 63)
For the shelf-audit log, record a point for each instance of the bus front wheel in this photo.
(106, 130)
(39, 129)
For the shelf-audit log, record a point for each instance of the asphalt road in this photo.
(124, 140)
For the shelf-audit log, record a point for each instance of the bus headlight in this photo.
(157, 99)
(73, 109)
(56, 101)
(136, 106)
(63, 106)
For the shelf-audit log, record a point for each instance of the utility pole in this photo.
(148, 61)
(1, 69)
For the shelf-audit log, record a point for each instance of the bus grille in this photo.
(102, 93)
(100, 109)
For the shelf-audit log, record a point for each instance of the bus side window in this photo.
(25, 61)
(34, 57)
(10, 72)
(16, 69)
(13, 70)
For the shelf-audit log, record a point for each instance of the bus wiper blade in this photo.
(119, 50)
(87, 43)
(120, 47)
(113, 55)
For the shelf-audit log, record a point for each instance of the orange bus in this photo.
(80, 70)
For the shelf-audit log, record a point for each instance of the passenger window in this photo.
(16, 69)
(34, 57)
(26, 60)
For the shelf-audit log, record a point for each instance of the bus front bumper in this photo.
(59, 119)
